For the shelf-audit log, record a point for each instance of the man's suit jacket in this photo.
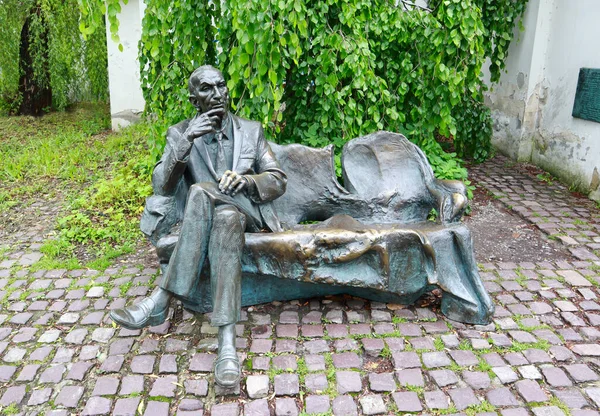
(172, 178)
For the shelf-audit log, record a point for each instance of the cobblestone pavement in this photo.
(60, 354)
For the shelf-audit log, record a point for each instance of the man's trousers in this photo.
(213, 225)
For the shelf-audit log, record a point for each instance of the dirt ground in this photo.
(499, 235)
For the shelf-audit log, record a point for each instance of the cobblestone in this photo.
(59, 353)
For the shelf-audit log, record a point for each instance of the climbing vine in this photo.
(61, 59)
(326, 71)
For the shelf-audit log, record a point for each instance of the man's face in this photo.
(210, 92)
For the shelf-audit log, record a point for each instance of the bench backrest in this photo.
(386, 178)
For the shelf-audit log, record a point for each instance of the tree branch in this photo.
(409, 3)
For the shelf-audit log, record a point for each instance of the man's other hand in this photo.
(231, 183)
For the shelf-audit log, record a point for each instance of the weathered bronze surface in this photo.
(370, 238)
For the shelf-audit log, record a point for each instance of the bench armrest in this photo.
(451, 198)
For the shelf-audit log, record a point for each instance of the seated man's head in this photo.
(208, 90)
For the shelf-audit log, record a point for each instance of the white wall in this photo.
(533, 102)
(126, 99)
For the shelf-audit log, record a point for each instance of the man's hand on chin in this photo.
(231, 183)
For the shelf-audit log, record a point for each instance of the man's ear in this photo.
(194, 101)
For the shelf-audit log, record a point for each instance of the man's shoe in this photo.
(140, 315)
(227, 369)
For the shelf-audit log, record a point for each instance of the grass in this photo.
(100, 178)
(11, 409)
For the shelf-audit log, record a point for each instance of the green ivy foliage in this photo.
(325, 71)
(76, 68)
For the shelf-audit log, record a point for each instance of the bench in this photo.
(370, 238)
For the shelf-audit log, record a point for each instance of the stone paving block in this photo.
(436, 399)
(121, 346)
(406, 360)
(522, 336)
(257, 408)
(435, 359)
(39, 396)
(164, 386)
(315, 383)
(594, 394)
(286, 345)
(289, 317)
(588, 350)
(535, 356)
(372, 346)
(105, 386)
(530, 371)
(285, 407)
(347, 360)
(76, 336)
(530, 391)
(49, 336)
(6, 372)
(102, 335)
(168, 364)
(112, 364)
(63, 355)
(571, 397)
(505, 374)
(316, 404)
(513, 358)
(344, 406)
(501, 397)
(556, 377)
(28, 372)
(410, 330)
(444, 378)
(286, 385)
(52, 374)
(410, 377)
(79, 370)
(372, 404)
(422, 343)
(561, 353)
(463, 398)
(547, 411)
(345, 344)
(261, 346)
(202, 362)
(395, 344)
(581, 373)
(450, 341)
(257, 386)
(97, 406)
(584, 412)
(381, 382)
(15, 355)
(407, 401)
(69, 396)
(476, 379)
(14, 394)
(154, 408)
(132, 384)
(126, 407)
(336, 330)
(348, 382)
(143, 364)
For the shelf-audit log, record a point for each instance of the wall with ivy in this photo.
(326, 71)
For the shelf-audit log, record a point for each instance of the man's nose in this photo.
(216, 92)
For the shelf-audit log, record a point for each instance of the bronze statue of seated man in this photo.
(234, 176)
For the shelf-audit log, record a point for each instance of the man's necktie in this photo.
(221, 162)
